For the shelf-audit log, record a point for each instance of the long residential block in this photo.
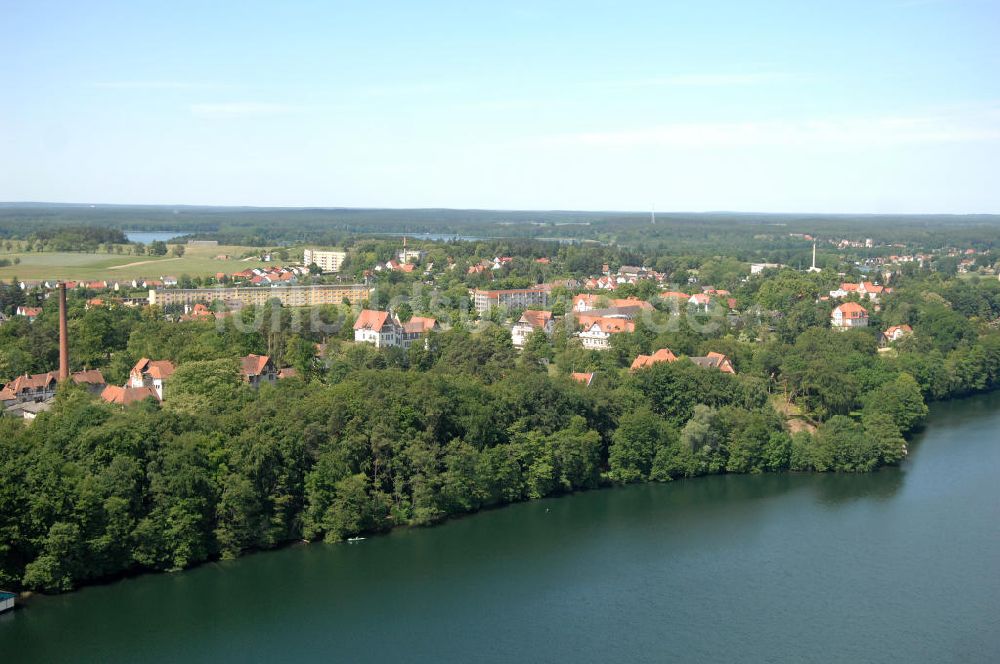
(289, 296)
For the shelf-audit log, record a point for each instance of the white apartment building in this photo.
(326, 260)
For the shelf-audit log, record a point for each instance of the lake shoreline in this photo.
(27, 596)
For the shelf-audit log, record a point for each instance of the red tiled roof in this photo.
(535, 318)
(33, 382)
(253, 365)
(89, 377)
(127, 395)
(662, 355)
(872, 288)
(607, 325)
(419, 324)
(852, 310)
(715, 361)
(161, 369)
(584, 378)
(371, 320)
(632, 302)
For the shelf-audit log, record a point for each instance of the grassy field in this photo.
(197, 261)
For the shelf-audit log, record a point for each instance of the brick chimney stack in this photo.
(63, 336)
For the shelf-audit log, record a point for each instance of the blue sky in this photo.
(874, 106)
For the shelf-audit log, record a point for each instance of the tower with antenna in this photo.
(814, 268)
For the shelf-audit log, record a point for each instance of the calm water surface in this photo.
(152, 236)
(897, 566)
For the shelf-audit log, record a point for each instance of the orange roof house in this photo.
(92, 378)
(585, 378)
(585, 301)
(715, 361)
(596, 331)
(530, 321)
(662, 355)
(897, 332)
(124, 396)
(370, 319)
(631, 302)
(151, 373)
(536, 318)
(257, 369)
(159, 369)
(31, 313)
(419, 325)
(849, 315)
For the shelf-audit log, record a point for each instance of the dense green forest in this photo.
(733, 234)
(364, 439)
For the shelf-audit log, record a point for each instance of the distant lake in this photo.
(432, 237)
(152, 236)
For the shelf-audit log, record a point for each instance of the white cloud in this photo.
(239, 109)
(836, 132)
(709, 80)
(154, 85)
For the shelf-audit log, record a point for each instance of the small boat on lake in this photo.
(6, 601)
(354, 539)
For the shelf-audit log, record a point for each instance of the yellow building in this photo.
(289, 296)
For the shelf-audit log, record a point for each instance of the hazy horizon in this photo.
(90, 204)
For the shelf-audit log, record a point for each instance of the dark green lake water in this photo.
(901, 565)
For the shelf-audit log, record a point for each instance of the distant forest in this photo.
(730, 233)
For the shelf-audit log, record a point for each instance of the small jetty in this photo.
(6, 601)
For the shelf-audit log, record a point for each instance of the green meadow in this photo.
(197, 261)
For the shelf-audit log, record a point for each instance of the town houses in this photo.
(865, 289)
(662, 355)
(42, 387)
(590, 310)
(589, 302)
(713, 360)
